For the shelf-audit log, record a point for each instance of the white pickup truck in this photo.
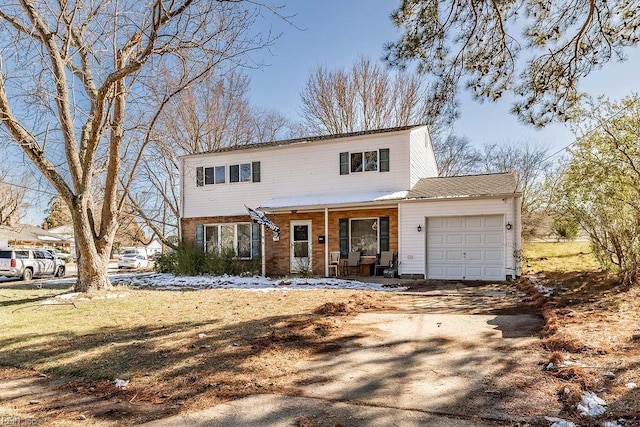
(29, 263)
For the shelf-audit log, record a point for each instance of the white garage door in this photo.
(466, 248)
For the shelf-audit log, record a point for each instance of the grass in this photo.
(563, 257)
(174, 347)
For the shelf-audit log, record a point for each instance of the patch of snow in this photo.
(71, 295)
(559, 422)
(611, 424)
(591, 405)
(547, 292)
(631, 385)
(120, 383)
(568, 363)
(165, 281)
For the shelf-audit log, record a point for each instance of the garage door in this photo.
(466, 248)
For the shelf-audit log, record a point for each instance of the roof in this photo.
(465, 186)
(308, 139)
(330, 200)
(488, 185)
(28, 233)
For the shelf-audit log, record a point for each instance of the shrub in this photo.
(188, 261)
(565, 228)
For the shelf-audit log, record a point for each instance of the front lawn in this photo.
(176, 348)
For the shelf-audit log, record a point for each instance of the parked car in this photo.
(29, 263)
(63, 256)
(133, 260)
(135, 251)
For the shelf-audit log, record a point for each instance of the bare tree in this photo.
(215, 114)
(11, 204)
(456, 156)
(363, 98)
(532, 165)
(481, 46)
(73, 94)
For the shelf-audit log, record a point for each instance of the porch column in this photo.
(263, 256)
(326, 242)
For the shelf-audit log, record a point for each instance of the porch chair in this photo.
(385, 261)
(352, 261)
(334, 262)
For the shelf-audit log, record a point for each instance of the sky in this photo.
(334, 33)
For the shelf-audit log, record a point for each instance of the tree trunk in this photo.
(92, 254)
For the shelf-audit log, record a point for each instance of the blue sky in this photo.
(336, 32)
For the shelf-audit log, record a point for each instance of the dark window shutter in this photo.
(234, 173)
(200, 237)
(255, 240)
(344, 163)
(384, 160)
(200, 176)
(384, 233)
(255, 171)
(344, 237)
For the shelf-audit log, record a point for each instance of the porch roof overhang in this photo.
(332, 201)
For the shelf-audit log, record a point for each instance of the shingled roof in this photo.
(310, 139)
(465, 186)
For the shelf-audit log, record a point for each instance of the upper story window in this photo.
(364, 161)
(243, 172)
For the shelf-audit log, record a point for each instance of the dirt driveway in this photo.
(441, 354)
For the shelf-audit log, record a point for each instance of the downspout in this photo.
(517, 236)
(326, 242)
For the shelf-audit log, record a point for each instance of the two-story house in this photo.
(366, 191)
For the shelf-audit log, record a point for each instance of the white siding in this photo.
(412, 252)
(423, 161)
(294, 170)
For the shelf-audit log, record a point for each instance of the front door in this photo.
(300, 246)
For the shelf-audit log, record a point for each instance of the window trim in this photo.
(346, 161)
(235, 237)
(377, 219)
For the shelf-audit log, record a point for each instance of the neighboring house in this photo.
(154, 247)
(31, 236)
(65, 232)
(366, 191)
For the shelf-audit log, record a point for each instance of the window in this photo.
(234, 173)
(219, 175)
(356, 162)
(366, 161)
(245, 172)
(367, 235)
(370, 161)
(210, 175)
(364, 236)
(237, 237)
